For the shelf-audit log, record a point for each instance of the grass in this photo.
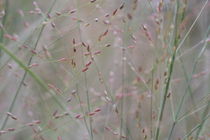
(104, 70)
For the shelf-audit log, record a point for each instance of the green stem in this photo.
(162, 106)
(168, 80)
(4, 21)
(189, 80)
(25, 73)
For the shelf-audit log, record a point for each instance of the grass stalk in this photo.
(86, 87)
(6, 9)
(25, 74)
(169, 76)
(123, 92)
(188, 82)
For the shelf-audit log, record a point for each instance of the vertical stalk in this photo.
(168, 79)
(24, 76)
(123, 92)
(6, 5)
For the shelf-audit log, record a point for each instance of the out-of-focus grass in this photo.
(104, 69)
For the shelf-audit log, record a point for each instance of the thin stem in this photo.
(191, 27)
(162, 106)
(123, 92)
(188, 82)
(4, 20)
(168, 80)
(82, 109)
(205, 113)
(24, 76)
(86, 87)
(151, 104)
(195, 128)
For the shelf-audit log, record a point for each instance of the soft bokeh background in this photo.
(128, 43)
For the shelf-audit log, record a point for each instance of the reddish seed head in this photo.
(54, 88)
(73, 11)
(91, 113)
(12, 116)
(11, 129)
(58, 13)
(76, 19)
(87, 24)
(57, 116)
(10, 37)
(157, 21)
(123, 136)
(92, 1)
(74, 42)
(169, 94)
(129, 16)
(88, 48)
(24, 46)
(83, 44)
(107, 45)
(53, 24)
(114, 12)
(78, 116)
(87, 53)
(73, 63)
(51, 86)
(130, 47)
(2, 132)
(114, 133)
(97, 110)
(122, 6)
(85, 69)
(133, 38)
(107, 15)
(55, 113)
(102, 35)
(24, 83)
(144, 27)
(36, 121)
(107, 22)
(107, 128)
(58, 90)
(62, 59)
(75, 50)
(66, 113)
(73, 92)
(33, 65)
(143, 130)
(88, 64)
(105, 33)
(160, 5)
(30, 124)
(97, 52)
(33, 51)
(69, 99)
